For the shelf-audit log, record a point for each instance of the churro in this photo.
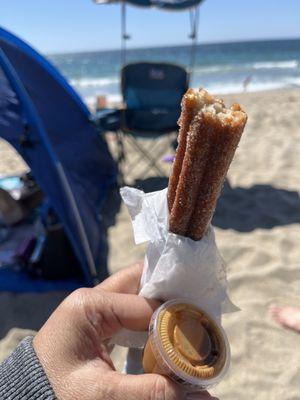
(208, 137)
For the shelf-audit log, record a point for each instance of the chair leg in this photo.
(152, 163)
(141, 156)
(151, 160)
(159, 151)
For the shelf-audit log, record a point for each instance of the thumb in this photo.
(147, 387)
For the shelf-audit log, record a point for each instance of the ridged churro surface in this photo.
(209, 135)
(189, 109)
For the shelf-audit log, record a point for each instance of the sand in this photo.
(10, 161)
(258, 230)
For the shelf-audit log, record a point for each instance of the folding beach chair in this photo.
(152, 94)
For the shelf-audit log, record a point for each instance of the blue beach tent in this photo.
(44, 119)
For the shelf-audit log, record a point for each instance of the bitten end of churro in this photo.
(202, 101)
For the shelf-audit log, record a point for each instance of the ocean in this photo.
(220, 68)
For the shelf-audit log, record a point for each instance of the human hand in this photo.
(71, 344)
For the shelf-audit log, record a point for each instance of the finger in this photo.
(153, 386)
(133, 312)
(125, 281)
(147, 387)
(113, 311)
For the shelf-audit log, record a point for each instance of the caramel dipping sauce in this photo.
(187, 345)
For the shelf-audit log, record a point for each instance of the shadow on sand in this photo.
(245, 209)
(151, 184)
(260, 206)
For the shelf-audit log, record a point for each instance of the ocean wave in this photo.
(292, 81)
(256, 86)
(216, 88)
(93, 82)
(291, 64)
(276, 64)
(218, 85)
(220, 88)
(212, 68)
(218, 68)
(106, 82)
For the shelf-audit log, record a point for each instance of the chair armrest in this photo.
(107, 119)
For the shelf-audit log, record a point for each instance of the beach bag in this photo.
(10, 211)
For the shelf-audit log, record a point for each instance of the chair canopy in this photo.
(163, 4)
(152, 93)
(49, 125)
(169, 5)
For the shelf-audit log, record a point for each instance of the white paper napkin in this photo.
(175, 266)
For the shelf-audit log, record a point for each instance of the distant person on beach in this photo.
(288, 317)
(246, 82)
(69, 358)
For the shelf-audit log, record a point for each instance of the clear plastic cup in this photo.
(187, 345)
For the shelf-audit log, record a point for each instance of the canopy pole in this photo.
(194, 21)
(78, 221)
(124, 34)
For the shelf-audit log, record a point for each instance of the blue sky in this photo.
(78, 25)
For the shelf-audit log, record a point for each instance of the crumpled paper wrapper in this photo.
(175, 266)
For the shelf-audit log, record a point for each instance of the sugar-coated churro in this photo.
(208, 137)
(189, 108)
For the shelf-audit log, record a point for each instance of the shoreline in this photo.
(116, 103)
(159, 47)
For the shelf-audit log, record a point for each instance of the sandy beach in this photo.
(257, 225)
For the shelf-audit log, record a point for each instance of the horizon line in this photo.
(172, 45)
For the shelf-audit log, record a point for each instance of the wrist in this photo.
(22, 375)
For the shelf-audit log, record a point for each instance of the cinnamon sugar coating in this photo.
(209, 135)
